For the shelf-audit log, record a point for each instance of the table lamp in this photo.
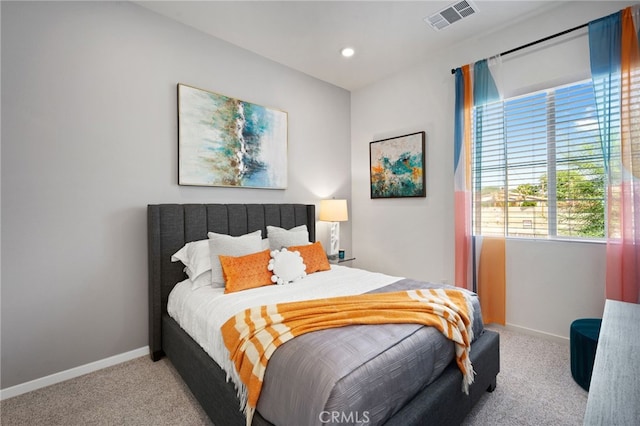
(334, 212)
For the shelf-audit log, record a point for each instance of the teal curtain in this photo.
(604, 56)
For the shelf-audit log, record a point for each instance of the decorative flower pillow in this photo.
(287, 266)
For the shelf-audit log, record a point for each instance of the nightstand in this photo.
(334, 260)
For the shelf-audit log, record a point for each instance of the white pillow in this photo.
(226, 245)
(195, 256)
(280, 237)
(287, 266)
(201, 281)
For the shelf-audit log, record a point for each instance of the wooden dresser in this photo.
(614, 395)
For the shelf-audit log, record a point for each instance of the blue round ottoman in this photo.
(583, 340)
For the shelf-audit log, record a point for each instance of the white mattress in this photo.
(202, 312)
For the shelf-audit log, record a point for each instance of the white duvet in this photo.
(202, 312)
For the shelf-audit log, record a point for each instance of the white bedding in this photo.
(203, 311)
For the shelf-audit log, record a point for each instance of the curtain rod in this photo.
(524, 46)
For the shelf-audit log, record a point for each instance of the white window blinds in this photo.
(537, 166)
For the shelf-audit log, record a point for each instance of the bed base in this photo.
(440, 403)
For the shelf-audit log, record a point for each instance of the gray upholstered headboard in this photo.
(171, 226)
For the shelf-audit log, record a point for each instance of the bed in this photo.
(171, 226)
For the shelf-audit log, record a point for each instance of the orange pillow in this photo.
(314, 257)
(245, 272)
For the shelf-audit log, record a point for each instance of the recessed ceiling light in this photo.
(347, 52)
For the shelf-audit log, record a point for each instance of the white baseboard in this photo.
(72, 373)
(532, 332)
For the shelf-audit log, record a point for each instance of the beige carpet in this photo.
(534, 388)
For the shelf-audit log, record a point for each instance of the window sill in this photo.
(559, 240)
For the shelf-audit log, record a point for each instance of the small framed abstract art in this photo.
(397, 166)
(224, 141)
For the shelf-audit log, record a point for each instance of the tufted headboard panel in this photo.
(171, 226)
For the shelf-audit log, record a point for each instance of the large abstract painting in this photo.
(397, 166)
(224, 141)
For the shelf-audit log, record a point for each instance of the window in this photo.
(537, 166)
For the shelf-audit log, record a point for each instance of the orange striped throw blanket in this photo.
(253, 335)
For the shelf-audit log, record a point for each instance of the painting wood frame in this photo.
(397, 166)
(228, 142)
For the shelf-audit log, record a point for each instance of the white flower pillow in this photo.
(280, 237)
(287, 266)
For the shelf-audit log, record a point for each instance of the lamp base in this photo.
(334, 239)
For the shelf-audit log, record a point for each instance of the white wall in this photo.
(89, 138)
(548, 283)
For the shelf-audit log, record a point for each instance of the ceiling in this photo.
(388, 36)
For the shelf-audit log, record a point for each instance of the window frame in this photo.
(551, 166)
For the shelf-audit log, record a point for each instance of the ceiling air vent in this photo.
(451, 14)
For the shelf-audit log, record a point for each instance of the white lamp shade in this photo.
(333, 210)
